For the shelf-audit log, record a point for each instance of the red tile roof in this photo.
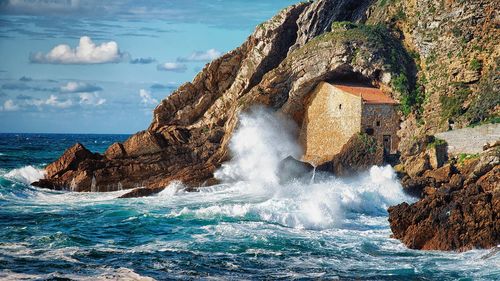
(368, 94)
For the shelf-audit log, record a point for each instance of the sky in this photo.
(101, 66)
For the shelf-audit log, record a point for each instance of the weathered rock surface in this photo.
(451, 81)
(277, 66)
(359, 154)
(292, 169)
(459, 209)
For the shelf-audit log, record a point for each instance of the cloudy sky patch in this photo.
(87, 52)
(70, 64)
(172, 66)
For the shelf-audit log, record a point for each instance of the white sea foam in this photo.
(251, 185)
(261, 142)
(26, 174)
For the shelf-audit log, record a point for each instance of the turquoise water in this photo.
(245, 229)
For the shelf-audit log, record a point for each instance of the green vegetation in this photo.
(476, 65)
(482, 106)
(431, 58)
(400, 15)
(369, 143)
(344, 25)
(489, 120)
(464, 156)
(457, 32)
(436, 142)
(452, 106)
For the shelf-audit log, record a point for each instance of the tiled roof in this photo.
(368, 94)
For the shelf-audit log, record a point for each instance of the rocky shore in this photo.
(459, 207)
(437, 59)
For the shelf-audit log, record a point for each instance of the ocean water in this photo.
(253, 226)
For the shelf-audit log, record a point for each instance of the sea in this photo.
(253, 226)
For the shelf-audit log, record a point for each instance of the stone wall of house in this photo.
(331, 118)
(383, 119)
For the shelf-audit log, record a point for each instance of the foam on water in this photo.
(250, 226)
(26, 175)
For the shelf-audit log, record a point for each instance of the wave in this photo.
(329, 203)
(252, 190)
(26, 174)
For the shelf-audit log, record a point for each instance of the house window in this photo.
(340, 106)
(378, 123)
(369, 131)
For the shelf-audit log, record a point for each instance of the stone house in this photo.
(335, 112)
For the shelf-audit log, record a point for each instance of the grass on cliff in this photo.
(369, 143)
(473, 108)
(436, 142)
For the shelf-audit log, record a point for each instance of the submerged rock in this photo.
(291, 169)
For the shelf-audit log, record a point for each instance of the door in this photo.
(387, 144)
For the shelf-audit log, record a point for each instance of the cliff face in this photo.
(439, 59)
(455, 45)
(277, 66)
(459, 209)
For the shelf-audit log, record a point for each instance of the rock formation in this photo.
(459, 209)
(277, 66)
(359, 154)
(439, 59)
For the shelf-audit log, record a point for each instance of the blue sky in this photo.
(94, 66)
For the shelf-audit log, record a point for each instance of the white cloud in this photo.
(53, 5)
(92, 99)
(146, 98)
(9, 105)
(172, 66)
(54, 101)
(87, 52)
(208, 55)
(79, 87)
(51, 101)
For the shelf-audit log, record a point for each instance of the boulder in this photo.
(70, 160)
(417, 165)
(440, 175)
(115, 150)
(291, 168)
(359, 154)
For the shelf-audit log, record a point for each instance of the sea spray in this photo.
(26, 175)
(333, 228)
(261, 141)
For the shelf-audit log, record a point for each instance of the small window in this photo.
(370, 131)
(340, 106)
(378, 123)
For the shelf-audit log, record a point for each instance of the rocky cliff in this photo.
(439, 59)
(277, 66)
(460, 205)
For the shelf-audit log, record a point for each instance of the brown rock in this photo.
(142, 143)
(458, 216)
(419, 164)
(69, 160)
(359, 154)
(415, 186)
(115, 150)
(440, 175)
